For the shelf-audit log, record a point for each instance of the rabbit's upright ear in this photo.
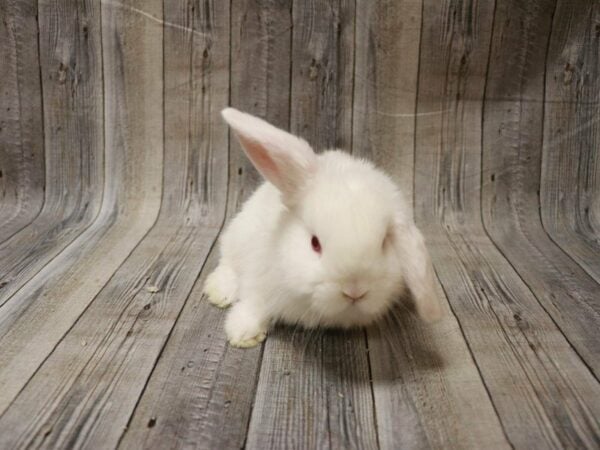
(418, 271)
(283, 159)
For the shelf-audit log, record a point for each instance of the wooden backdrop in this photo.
(117, 175)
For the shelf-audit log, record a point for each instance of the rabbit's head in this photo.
(347, 236)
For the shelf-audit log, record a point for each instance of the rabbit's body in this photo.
(327, 241)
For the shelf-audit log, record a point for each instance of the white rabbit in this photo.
(327, 241)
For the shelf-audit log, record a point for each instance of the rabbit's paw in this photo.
(235, 341)
(243, 328)
(220, 286)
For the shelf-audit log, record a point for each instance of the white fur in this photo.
(268, 268)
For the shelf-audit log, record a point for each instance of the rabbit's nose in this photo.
(354, 293)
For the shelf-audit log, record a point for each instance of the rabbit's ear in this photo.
(282, 158)
(417, 270)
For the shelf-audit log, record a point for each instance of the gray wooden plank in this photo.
(64, 288)
(544, 394)
(313, 389)
(570, 190)
(260, 74)
(71, 73)
(208, 403)
(21, 130)
(512, 143)
(85, 392)
(113, 347)
(39, 314)
(201, 391)
(427, 389)
(322, 72)
(387, 63)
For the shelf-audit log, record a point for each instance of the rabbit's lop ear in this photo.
(283, 159)
(418, 271)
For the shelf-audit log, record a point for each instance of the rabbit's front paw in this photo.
(243, 328)
(240, 342)
(220, 286)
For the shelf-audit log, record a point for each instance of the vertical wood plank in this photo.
(313, 389)
(427, 390)
(134, 162)
(322, 72)
(200, 391)
(41, 312)
(570, 187)
(313, 392)
(71, 72)
(385, 86)
(261, 33)
(512, 153)
(21, 128)
(524, 359)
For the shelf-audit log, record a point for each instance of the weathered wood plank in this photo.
(71, 75)
(125, 328)
(385, 86)
(313, 389)
(41, 312)
(208, 403)
(570, 186)
(21, 130)
(201, 391)
(427, 390)
(136, 132)
(544, 394)
(512, 143)
(322, 72)
(260, 78)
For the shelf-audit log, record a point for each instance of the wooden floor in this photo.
(117, 176)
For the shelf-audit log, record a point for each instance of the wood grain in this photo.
(511, 337)
(428, 391)
(117, 174)
(386, 68)
(208, 403)
(570, 186)
(21, 129)
(315, 391)
(38, 315)
(125, 328)
(512, 154)
(260, 73)
(71, 74)
(421, 400)
(322, 72)
(135, 183)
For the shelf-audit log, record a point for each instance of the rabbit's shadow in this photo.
(398, 348)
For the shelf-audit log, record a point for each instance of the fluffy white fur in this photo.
(268, 268)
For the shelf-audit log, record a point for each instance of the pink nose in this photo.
(354, 293)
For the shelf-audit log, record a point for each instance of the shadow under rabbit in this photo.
(397, 345)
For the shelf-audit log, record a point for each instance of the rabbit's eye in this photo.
(316, 245)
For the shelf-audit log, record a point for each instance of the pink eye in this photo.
(316, 245)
